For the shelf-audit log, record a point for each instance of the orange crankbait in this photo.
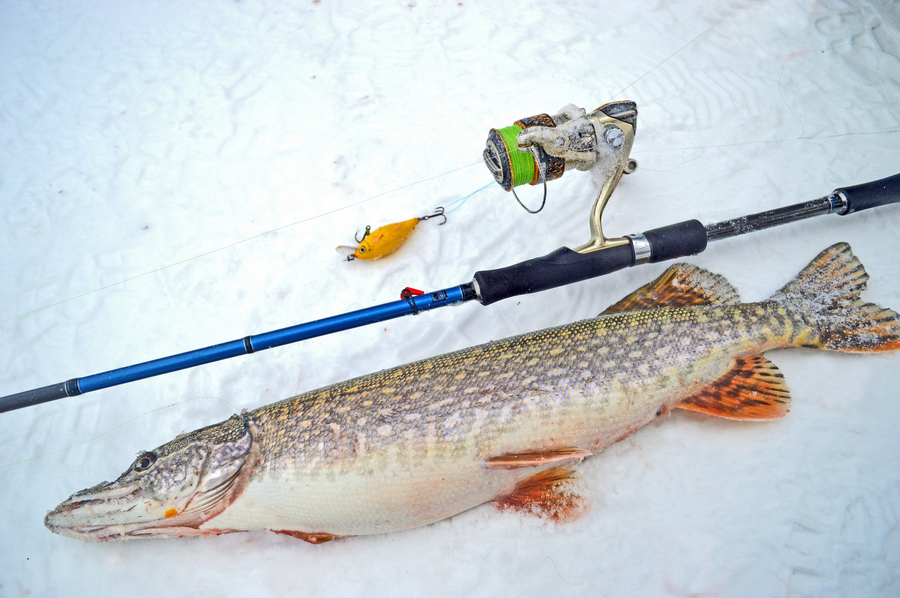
(386, 239)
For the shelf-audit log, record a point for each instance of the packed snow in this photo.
(178, 174)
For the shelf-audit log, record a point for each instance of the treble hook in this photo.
(438, 211)
(365, 234)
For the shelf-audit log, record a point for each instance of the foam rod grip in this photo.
(676, 240)
(871, 195)
(563, 266)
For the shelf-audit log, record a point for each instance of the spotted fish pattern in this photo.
(504, 422)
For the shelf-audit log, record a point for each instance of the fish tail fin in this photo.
(827, 292)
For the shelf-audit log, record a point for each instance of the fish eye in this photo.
(144, 462)
(362, 248)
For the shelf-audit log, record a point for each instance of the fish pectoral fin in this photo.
(559, 456)
(754, 389)
(553, 494)
(681, 285)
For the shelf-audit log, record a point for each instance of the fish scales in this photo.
(506, 421)
(541, 376)
(420, 435)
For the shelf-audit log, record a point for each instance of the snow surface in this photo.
(177, 174)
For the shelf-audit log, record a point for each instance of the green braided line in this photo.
(522, 163)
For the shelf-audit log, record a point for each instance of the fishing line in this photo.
(522, 164)
(758, 141)
(236, 243)
(679, 165)
(704, 32)
(781, 77)
(457, 203)
(571, 583)
(114, 428)
(800, 137)
(788, 106)
(265, 233)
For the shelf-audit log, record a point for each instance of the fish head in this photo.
(167, 492)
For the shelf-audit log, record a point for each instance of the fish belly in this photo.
(356, 503)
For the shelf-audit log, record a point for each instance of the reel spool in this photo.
(541, 148)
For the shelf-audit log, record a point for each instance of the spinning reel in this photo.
(541, 148)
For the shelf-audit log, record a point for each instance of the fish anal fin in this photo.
(681, 285)
(754, 389)
(557, 456)
(551, 494)
(311, 537)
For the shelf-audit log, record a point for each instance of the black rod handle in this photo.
(676, 240)
(870, 195)
(563, 266)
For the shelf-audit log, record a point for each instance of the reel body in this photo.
(542, 148)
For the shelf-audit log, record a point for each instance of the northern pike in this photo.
(503, 422)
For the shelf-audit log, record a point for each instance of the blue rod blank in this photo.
(249, 344)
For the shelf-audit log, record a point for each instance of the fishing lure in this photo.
(386, 239)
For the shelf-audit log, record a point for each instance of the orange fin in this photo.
(828, 291)
(551, 494)
(311, 537)
(754, 389)
(681, 285)
(537, 458)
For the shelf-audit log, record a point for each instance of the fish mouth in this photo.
(107, 512)
(127, 514)
(87, 515)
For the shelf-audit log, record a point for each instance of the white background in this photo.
(177, 174)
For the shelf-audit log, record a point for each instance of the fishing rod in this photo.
(533, 150)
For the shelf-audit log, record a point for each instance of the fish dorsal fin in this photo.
(553, 494)
(754, 389)
(681, 285)
(560, 456)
